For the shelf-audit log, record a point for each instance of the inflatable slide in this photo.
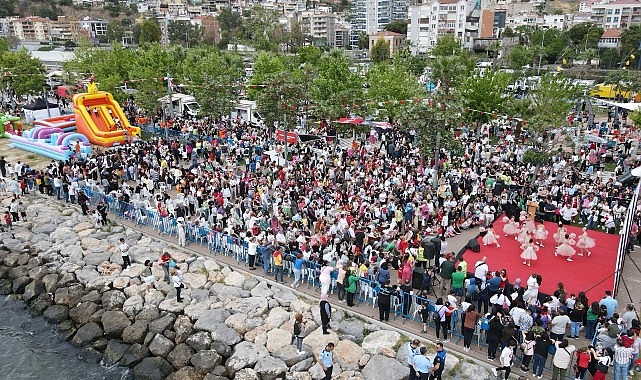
(9, 125)
(99, 117)
(52, 142)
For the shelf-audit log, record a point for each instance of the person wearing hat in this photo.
(180, 228)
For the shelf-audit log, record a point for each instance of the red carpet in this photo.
(581, 274)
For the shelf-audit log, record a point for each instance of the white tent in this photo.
(628, 106)
(37, 110)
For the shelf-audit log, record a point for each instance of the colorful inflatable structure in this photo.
(53, 142)
(9, 125)
(100, 118)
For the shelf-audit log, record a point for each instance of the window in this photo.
(615, 19)
(608, 19)
(609, 11)
(617, 11)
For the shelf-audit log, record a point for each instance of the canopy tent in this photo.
(627, 106)
(37, 110)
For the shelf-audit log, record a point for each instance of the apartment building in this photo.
(371, 16)
(435, 18)
(30, 28)
(94, 26)
(65, 29)
(321, 26)
(617, 14)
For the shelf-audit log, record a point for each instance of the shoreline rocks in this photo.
(230, 325)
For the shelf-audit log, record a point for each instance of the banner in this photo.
(292, 137)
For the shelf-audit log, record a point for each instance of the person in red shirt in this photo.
(583, 358)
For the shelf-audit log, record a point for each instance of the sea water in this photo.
(32, 349)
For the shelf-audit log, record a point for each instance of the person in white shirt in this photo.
(558, 325)
(480, 271)
(507, 354)
(177, 281)
(124, 252)
(252, 249)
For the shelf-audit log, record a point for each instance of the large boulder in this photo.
(285, 297)
(271, 368)
(134, 355)
(316, 340)
(194, 280)
(277, 316)
(32, 290)
(113, 299)
(161, 346)
(136, 332)
(251, 307)
(317, 373)
(382, 367)
(152, 369)
(114, 351)
(277, 339)
(160, 325)
(186, 373)
(262, 290)
(378, 340)
(69, 297)
(210, 319)
(56, 313)
(351, 327)
(237, 322)
(114, 322)
(180, 355)
(81, 313)
(225, 335)
(183, 328)
(205, 361)
(133, 305)
(348, 354)
(235, 279)
(245, 354)
(200, 341)
(88, 333)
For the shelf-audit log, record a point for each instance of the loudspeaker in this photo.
(473, 245)
(429, 250)
(437, 245)
(417, 278)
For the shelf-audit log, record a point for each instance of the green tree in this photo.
(267, 64)
(414, 63)
(609, 58)
(380, 51)
(309, 54)
(363, 40)
(549, 104)
(283, 96)
(262, 29)
(4, 45)
(630, 40)
(520, 56)
(636, 118)
(397, 26)
(230, 26)
(212, 77)
(450, 63)
(184, 33)
(27, 73)
(335, 90)
(584, 36)
(7, 8)
(390, 87)
(483, 91)
(149, 32)
(115, 31)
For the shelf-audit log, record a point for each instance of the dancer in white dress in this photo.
(491, 238)
(529, 252)
(559, 235)
(509, 228)
(565, 249)
(540, 235)
(585, 243)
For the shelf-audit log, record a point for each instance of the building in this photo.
(617, 14)
(320, 26)
(210, 28)
(65, 29)
(435, 18)
(396, 41)
(341, 37)
(30, 29)
(610, 39)
(94, 26)
(371, 16)
(555, 21)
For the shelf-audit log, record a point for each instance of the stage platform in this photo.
(582, 274)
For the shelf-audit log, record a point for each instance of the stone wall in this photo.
(230, 325)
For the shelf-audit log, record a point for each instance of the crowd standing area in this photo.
(366, 224)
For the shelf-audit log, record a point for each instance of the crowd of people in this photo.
(366, 209)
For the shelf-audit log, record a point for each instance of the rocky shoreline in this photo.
(230, 325)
